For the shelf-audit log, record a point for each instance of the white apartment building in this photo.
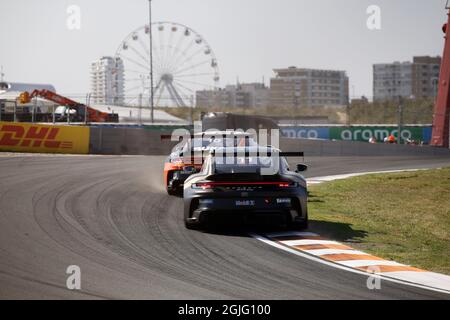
(415, 79)
(107, 81)
(391, 80)
(259, 94)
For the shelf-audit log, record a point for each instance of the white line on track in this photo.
(316, 180)
(291, 233)
(307, 242)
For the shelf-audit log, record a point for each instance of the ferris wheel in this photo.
(183, 64)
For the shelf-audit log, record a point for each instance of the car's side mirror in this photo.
(301, 167)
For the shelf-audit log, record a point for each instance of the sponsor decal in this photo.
(283, 200)
(365, 133)
(306, 132)
(357, 133)
(26, 137)
(245, 203)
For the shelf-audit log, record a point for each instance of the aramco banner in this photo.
(30, 137)
(358, 133)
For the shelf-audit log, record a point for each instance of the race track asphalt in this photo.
(110, 215)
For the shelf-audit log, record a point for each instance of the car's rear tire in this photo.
(299, 225)
(174, 190)
(189, 223)
(192, 225)
(169, 187)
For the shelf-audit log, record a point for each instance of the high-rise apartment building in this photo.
(416, 79)
(258, 94)
(107, 81)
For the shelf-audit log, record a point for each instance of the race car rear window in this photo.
(199, 144)
(242, 164)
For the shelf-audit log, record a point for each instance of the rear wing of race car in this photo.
(292, 154)
(247, 153)
(212, 134)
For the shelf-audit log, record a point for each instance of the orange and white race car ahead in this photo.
(187, 157)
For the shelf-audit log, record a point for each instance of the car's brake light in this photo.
(202, 185)
(210, 185)
(283, 184)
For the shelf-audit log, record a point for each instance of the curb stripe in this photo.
(341, 255)
(346, 257)
(336, 252)
(437, 283)
(312, 246)
(322, 252)
(322, 246)
(362, 263)
(385, 268)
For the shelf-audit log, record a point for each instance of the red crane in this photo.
(93, 115)
(440, 135)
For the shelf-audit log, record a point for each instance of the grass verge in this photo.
(398, 216)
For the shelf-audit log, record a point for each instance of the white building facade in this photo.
(107, 81)
(416, 79)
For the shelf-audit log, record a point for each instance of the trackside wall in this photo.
(145, 142)
(29, 137)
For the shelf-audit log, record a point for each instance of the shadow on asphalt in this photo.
(238, 229)
(342, 232)
(337, 231)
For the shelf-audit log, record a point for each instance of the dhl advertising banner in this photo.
(30, 137)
